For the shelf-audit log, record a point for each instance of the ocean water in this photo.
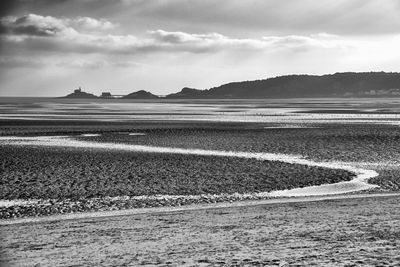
(284, 111)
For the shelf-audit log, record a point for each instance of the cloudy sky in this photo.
(50, 47)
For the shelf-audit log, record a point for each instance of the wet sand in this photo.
(277, 200)
(343, 230)
(359, 183)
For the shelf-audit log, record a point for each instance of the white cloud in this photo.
(163, 41)
(87, 35)
(202, 42)
(95, 64)
(317, 41)
(87, 23)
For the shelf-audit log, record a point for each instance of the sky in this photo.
(50, 47)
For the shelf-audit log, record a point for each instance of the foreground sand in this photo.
(337, 232)
(350, 231)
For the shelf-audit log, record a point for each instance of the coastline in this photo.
(114, 213)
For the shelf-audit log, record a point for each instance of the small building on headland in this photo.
(78, 93)
(106, 95)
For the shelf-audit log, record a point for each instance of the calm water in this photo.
(287, 111)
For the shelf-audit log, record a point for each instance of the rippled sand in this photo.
(357, 184)
(341, 232)
(329, 232)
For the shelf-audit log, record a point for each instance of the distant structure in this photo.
(106, 95)
(78, 93)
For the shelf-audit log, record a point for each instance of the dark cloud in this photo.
(55, 7)
(31, 25)
(233, 17)
(277, 17)
(37, 25)
(8, 6)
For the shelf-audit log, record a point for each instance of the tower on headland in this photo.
(78, 93)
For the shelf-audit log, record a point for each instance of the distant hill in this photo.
(187, 93)
(349, 84)
(142, 94)
(78, 93)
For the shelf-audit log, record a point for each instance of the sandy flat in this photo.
(336, 232)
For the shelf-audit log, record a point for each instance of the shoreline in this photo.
(126, 212)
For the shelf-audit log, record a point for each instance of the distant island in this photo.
(142, 94)
(348, 84)
(78, 93)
